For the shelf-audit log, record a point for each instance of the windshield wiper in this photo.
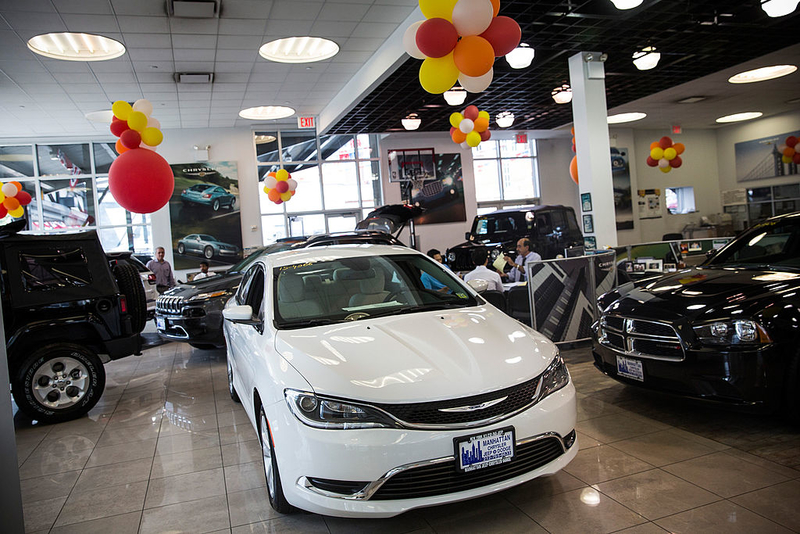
(309, 322)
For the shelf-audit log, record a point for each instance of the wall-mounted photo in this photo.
(442, 197)
(588, 224)
(764, 158)
(621, 177)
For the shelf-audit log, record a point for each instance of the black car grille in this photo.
(428, 413)
(616, 341)
(169, 305)
(431, 189)
(443, 478)
(642, 338)
(653, 329)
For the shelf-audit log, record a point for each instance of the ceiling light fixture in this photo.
(76, 46)
(738, 117)
(647, 58)
(411, 122)
(562, 94)
(299, 50)
(762, 74)
(265, 138)
(266, 113)
(626, 117)
(505, 119)
(104, 116)
(778, 8)
(521, 57)
(455, 96)
(626, 4)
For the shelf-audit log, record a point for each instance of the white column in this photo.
(589, 115)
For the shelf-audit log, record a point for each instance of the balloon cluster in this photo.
(665, 155)
(573, 165)
(458, 42)
(469, 128)
(790, 150)
(12, 198)
(134, 126)
(280, 186)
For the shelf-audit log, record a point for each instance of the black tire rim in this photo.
(266, 451)
(60, 383)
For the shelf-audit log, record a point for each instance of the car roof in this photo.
(332, 253)
(523, 209)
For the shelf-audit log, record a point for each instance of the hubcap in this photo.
(266, 451)
(60, 383)
(230, 377)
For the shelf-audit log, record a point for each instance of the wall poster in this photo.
(621, 178)
(760, 159)
(442, 195)
(204, 214)
(649, 203)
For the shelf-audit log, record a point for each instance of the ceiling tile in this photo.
(231, 77)
(249, 56)
(330, 28)
(147, 54)
(290, 10)
(287, 28)
(380, 30)
(139, 7)
(194, 26)
(74, 77)
(190, 54)
(242, 26)
(265, 77)
(55, 65)
(348, 56)
(90, 23)
(21, 66)
(250, 42)
(240, 9)
(202, 88)
(160, 66)
(38, 22)
(93, 7)
(342, 12)
(147, 40)
(133, 24)
(33, 77)
(233, 66)
(122, 64)
(116, 77)
(194, 41)
(159, 87)
(88, 97)
(154, 77)
(194, 66)
(355, 44)
(157, 97)
(37, 6)
(388, 14)
(304, 78)
(75, 89)
(194, 96)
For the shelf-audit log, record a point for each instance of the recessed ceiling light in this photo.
(104, 116)
(692, 99)
(626, 4)
(737, 117)
(626, 117)
(299, 50)
(266, 113)
(778, 8)
(263, 139)
(762, 74)
(76, 46)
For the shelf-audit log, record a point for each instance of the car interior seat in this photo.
(672, 237)
(518, 305)
(371, 289)
(293, 301)
(495, 298)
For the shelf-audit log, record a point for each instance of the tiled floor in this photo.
(166, 450)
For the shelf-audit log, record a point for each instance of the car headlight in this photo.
(451, 256)
(321, 412)
(206, 296)
(555, 377)
(738, 332)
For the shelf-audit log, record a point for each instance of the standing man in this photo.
(480, 257)
(163, 271)
(524, 255)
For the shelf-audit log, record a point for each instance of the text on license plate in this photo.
(484, 450)
(630, 368)
(160, 323)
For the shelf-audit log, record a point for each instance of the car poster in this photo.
(204, 214)
(621, 177)
(442, 196)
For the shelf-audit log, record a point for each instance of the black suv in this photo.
(193, 312)
(64, 303)
(551, 229)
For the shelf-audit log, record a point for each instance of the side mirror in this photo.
(467, 236)
(240, 315)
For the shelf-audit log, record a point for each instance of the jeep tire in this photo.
(130, 285)
(58, 382)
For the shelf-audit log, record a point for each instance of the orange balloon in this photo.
(788, 152)
(274, 195)
(473, 56)
(573, 169)
(495, 7)
(572, 130)
(459, 137)
(17, 185)
(679, 148)
(481, 124)
(11, 203)
(655, 144)
(120, 147)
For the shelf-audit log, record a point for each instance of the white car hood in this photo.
(417, 357)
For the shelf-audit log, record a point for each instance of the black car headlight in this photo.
(335, 414)
(736, 332)
(555, 377)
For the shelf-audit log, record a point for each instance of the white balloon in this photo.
(476, 84)
(148, 147)
(9, 190)
(270, 182)
(465, 145)
(472, 17)
(663, 163)
(144, 106)
(782, 147)
(410, 41)
(152, 122)
(292, 184)
(466, 126)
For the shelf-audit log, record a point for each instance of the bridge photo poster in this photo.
(760, 158)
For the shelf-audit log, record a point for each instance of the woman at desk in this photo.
(524, 255)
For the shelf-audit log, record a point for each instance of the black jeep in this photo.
(64, 303)
(551, 229)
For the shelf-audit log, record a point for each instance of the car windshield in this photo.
(348, 289)
(243, 265)
(198, 187)
(499, 226)
(772, 244)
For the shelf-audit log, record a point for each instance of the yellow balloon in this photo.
(267, 189)
(455, 119)
(286, 196)
(657, 153)
(473, 139)
(786, 159)
(282, 175)
(665, 170)
(121, 110)
(437, 75)
(137, 121)
(438, 9)
(485, 115)
(17, 212)
(2, 197)
(152, 136)
(670, 153)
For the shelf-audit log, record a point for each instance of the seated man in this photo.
(203, 272)
(481, 258)
(428, 281)
(524, 255)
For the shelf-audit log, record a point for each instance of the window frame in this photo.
(503, 202)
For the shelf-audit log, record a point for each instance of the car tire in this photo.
(272, 476)
(208, 252)
(181, 248)
(231, 388)
(232, 205)
(791, 391)
(35, 382)
(130, 285)
(215, 205)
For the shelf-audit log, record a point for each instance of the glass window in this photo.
(31, 210)
(104, 156)
(518, 178)
(680, 200)
(509, 148)
(339, 185)
(60, 160)
(120, 238)
(67, 203)
(264, 170)
(273, 227)
(370, 176)
(506, 170)
(309, 190)
(341, 223)
(367, 146)
(487, 179)
(487, 149)
(16, 161)
(787, 191)
(54, 268)
(298, 146)
(759, 194)
(300, 225)
(267, 146)
(759, 211)
(337, 147)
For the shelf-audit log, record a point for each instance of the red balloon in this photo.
(141, 181)
(130, 139)
(3, 211)
(24, 198)
(795, 160)
(114, 119)
(118, 127)
(653, 162)
(436, 37)
(485, 135)
(675, 162)
(451, 131)
(665, 142)
(471, 113)
(282, 186)
(503, 34)
(791, 141)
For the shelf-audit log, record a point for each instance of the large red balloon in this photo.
(141, 181)
(503, 34)
(573, 169)
(665, 142)
(486, 135)
(436, 37)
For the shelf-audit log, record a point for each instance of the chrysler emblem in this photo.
(474, 407)
(629, 326)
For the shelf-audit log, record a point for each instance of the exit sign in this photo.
(306, 122)
(676, 129)
(522, 138)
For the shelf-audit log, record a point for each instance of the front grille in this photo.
(343, 487)
(641, 338)
(617, 323)
(431, 189)
(427, 413)
(652, 329)
(658, 348)
(616, 341)
(169, 305)
(443, 478)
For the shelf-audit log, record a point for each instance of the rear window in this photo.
(49, 269)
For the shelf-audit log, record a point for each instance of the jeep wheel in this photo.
(58, 382)
(181, 248)
(215, 205)
(208, 252)
(130, 285)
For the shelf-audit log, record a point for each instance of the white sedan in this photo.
(373, 395)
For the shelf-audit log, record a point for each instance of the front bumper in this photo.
(206, 329)
(374, 456)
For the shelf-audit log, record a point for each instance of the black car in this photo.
(551, 229)
(193, 312)
(727, 331)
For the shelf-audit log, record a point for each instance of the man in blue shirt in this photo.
(427, 280)
(524, 255)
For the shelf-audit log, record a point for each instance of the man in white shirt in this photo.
(524, 255)
(203, 272)
(481, 258)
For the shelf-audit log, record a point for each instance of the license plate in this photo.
(484, 450)
(160, 323)
(630, 368)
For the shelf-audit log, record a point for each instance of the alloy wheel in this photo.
(266, 451)
(60, 383)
